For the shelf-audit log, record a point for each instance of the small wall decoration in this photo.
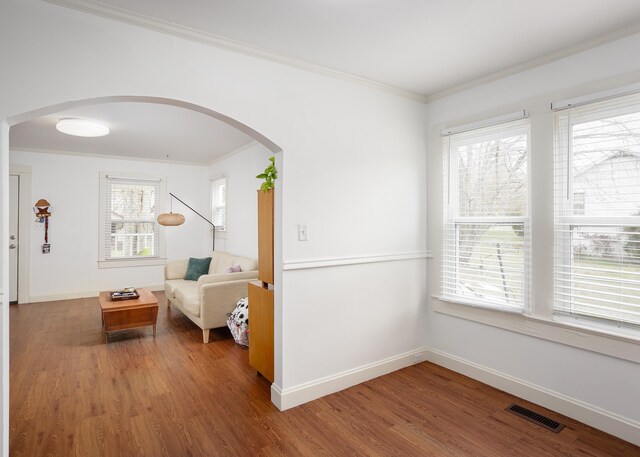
(42, 209)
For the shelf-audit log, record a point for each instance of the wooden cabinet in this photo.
(261, 329)
(265, 236)
(261, 292)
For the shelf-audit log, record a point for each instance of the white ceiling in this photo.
(421, 46)
(142, 130)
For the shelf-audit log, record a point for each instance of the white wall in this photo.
(70, 183)
(353, 167)
(4, 294)
(240, 169)
(596, 388)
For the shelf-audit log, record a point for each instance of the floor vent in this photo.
(536, 418)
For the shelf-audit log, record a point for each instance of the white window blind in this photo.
(486, 226)
(131, 208)
(219, 203)
(597, 212)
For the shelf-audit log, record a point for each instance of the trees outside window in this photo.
(132, 220)
(597, 242)
(129, 231)
(486, 226)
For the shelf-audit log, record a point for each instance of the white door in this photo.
(14, 198)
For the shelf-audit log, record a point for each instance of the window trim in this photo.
(508, 125)
(563, 206)
(592, 338)
(103, 262)
(539, 321)
(220, 231)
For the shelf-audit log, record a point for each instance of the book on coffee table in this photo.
(125, 294)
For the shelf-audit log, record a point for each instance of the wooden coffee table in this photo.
(126, 314)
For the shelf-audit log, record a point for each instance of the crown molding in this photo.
(242, 148)
(188, 33)
(585, 45)
(104, 156)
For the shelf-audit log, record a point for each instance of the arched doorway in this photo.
(259, 137)
(4, 149)
(100, 106)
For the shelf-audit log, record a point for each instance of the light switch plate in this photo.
(303, 234)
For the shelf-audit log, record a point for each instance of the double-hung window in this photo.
(486, 225)
(597, 212)
(129, 231)
(219, 203)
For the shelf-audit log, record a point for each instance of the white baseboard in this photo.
(622, 427)
(303, 393)
(72, 295)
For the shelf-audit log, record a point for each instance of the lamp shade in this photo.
(171, 219)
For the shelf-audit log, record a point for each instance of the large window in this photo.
(542, 218)
(129, 229)
(486, 233)
(219, 203)
(597, 212)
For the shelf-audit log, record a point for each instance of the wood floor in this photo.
(72, 395)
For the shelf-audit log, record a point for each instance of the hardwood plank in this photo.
(72, 395)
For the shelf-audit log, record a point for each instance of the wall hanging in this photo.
(42, 209)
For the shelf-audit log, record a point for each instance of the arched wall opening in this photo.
(344, 136)
(260, 138)
(10, 121)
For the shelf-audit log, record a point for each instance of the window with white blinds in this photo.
(486, 225)
(597, 212)
(129, 221)
(219, 203)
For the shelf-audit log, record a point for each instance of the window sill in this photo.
(125, 263)
(611, 344)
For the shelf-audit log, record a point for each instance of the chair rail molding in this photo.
(325, 262)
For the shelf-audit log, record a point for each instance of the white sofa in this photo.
(208, 300)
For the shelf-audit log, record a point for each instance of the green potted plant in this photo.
(269, 175)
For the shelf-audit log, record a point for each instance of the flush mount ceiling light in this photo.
(82, 127)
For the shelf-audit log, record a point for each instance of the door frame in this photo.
(24, 230)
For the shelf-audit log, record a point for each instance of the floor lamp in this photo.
(172, 219)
